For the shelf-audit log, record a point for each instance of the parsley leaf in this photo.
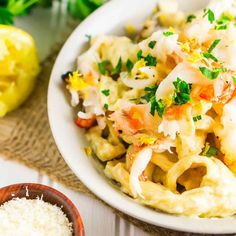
(106, 106)
(157, 106)
(106, 92)
(168, 33)
(140, 54)
(197, 118)
(152, 44)
(210, 151)
(129, 65)
(104, 67)
(150, 96)
(210, 56)
(151, 61)
(182, 92)
(150, 92)
(213, 45)
(118, 68)
(234, 79)
(6, 17)
(190, 18)
(211, 74)
(210, 14)
(222, 23)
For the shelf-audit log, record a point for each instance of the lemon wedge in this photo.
(19, 67)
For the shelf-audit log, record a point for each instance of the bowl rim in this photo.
(179, 223)
(54, 192)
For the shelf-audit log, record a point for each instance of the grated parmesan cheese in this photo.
(23, 217)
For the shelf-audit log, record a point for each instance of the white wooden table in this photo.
(99, 220)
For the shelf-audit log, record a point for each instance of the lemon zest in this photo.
(147, 140)
(76, 82)
(195, 57)
(185, 47)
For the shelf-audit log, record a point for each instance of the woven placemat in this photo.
(25, 137)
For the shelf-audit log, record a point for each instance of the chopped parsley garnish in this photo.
(140, 54)
(104, 67)
(151, 61)
(190, 18)
(150, 92)
(211, 74)
(213, 45)
(152, 44)
(182, 92)
(129, 65)
(106, 106)
(150, 96)
(117, 69)
(157, 106)
(210, 15)
(210, 56)
(168, 33)
(106, 92)
(222, 23)
(234, 79)
(210, 151)
(197, 118)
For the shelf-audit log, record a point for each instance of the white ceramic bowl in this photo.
(70, 140)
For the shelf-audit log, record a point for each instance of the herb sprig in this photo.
(11, 8)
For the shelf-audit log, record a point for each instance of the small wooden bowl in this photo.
(50, 195)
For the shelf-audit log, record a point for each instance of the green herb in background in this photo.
(6, 17)
(82, 8)
(11, 8)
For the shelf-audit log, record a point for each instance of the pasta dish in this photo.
(159, 108)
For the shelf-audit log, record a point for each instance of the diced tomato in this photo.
(85, 123)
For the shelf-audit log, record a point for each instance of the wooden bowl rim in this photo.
(54, 192)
